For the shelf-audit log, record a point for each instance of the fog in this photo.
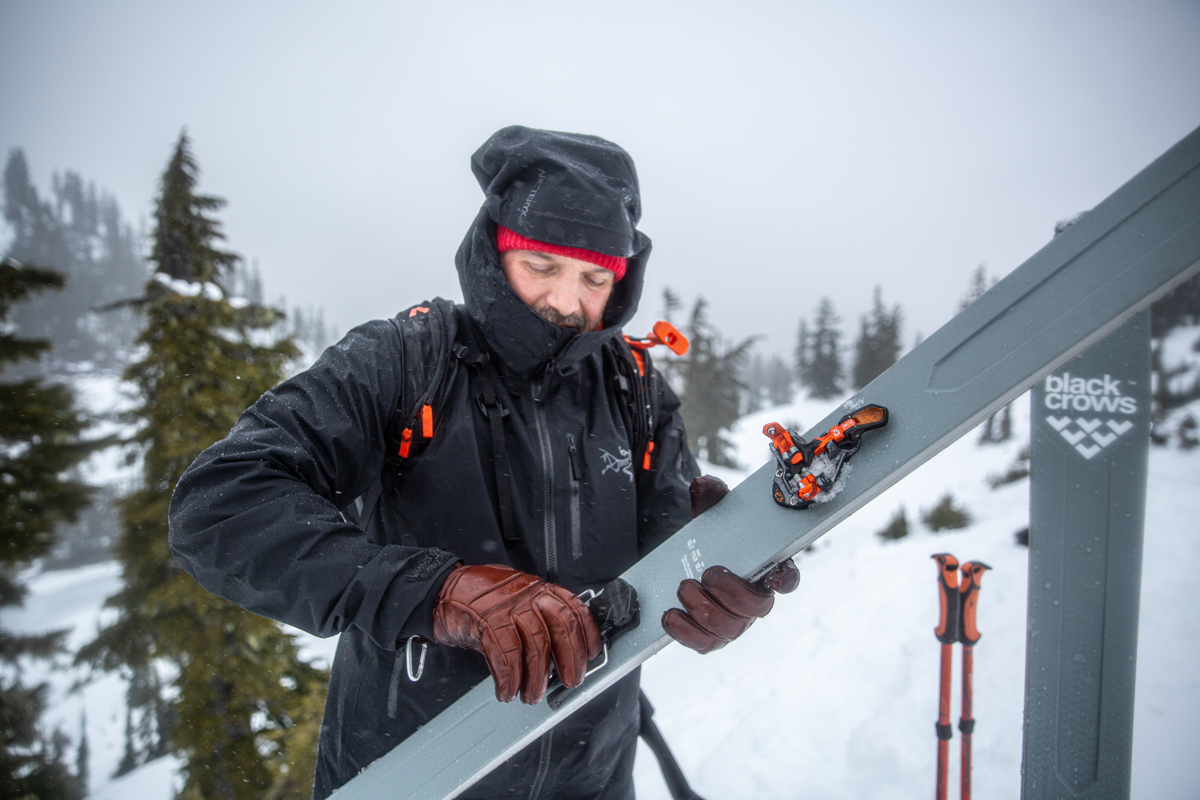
(786, 150)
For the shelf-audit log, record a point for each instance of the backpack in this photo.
(438, 339)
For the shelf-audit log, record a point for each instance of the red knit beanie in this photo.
(511, 240)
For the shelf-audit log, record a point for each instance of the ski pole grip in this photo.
(948, 599)
(968, 590)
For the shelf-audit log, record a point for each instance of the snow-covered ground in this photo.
(834, 695)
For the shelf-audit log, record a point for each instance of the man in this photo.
(493, 448)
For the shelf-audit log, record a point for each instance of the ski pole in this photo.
(947, 634)
(968, 634)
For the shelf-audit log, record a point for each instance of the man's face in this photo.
(563, 290)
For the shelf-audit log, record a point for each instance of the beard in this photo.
(575, 322)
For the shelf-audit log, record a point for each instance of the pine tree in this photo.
(779, 381)
(83, 754)
(241, 688)
(671, 303)
(80, 231)
(802, 356)
(756, 383)
(819, 354)
(976, 289)
(711, 378)
(878, 344)
(40, 444)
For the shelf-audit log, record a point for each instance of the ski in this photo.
(1134, 246)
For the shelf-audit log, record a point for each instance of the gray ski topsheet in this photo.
(1109, 265)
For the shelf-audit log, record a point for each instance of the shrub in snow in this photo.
(897, 528)
(1016, 471)
(946, 516)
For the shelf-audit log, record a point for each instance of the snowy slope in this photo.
(834, 695)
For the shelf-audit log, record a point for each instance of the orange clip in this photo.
(405, 442)
(646, 458)
(666, 333)
(418, 310)
(427, 421)
(808, 488)
(780, 438)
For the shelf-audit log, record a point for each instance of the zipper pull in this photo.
(576, 473)
(539, 387)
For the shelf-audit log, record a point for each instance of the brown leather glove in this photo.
(721, 606)
(519, 623)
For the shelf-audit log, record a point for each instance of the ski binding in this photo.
(807, 468)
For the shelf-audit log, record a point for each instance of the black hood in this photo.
(562, 188)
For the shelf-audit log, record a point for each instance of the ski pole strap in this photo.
(948, 598)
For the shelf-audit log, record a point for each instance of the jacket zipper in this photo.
(543, 429)
(576, 478)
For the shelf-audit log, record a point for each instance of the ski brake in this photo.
(807, 468)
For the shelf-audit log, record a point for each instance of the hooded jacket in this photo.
(258, 518)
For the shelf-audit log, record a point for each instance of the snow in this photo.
(834, 695)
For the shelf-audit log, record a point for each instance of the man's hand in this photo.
(721, 606)
(519, 623)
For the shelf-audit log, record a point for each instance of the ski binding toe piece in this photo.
(808, 468)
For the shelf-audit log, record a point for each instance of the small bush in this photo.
(1017, 470)
(897, 528)
(946, 516)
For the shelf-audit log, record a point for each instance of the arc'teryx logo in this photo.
(614, 464)
(533, 193)
(1088, 435)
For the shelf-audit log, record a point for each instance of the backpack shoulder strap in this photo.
(634, 381)
(427, 333)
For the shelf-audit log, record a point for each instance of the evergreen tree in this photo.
(40, 444)
(83, 754)
(977, 287)
(779, 381)
(819, 354)
(241, 690)
(756, 383)
(82, 233)
(997, 428)
(671, 304)
(711, 379)
(802, 357)
(1174, 384)
(878, 344)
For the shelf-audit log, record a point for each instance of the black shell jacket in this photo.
(258, 517)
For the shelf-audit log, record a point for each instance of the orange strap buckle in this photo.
(405, 442)
(427, 421)
(646, 458)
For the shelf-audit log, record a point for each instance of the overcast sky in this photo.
(786, 150)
